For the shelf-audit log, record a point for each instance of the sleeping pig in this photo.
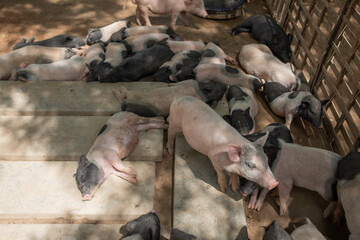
(157, 102)
(104, 34)
(145, 227)
(31, 54)
(298, 103)
(257, 59)
(57, 41)
(214, 54)
(73, 69)
(138, 43)
(94, 55)
(268, 32)
(231, 152)
(115, 141)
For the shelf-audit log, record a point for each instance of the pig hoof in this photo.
(258, 206)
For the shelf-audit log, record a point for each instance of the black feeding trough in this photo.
(224, 9)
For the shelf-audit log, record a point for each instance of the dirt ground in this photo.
(47, 18)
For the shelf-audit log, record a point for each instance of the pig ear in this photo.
(83, 161)
(324, 102)
(234, 152)
(261, 141)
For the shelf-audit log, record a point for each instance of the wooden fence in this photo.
(325, 46)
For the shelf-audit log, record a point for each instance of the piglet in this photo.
(57, 41)
(268, 32)
(257, 59)
(226, 74)
(206, 132)
(214, 54)
(115, 141)
(145, 227)
(276, 232)
(175, 7)
(306, 167)
(94, 55)
(179, 46)
(104, 34)
(307, 231)
(243, 109)
(157, 102)
(73, 69)
(138, 43)
(298, 103)
(348, 189)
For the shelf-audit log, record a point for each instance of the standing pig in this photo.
(95, 55)
(289, 104)
(206, 132)
(73, 69)
(145, 227)
(157, 102)
(276, 232)
(186, 60)
(308, 231)
(306, 167)
(348, 189)
(267, 32)
(258, 60)
(104, 34)
(115, 141)
(57, 41)
(226, 74)
(31, 54)
(176, 7)
(243, 109)
(141, 64)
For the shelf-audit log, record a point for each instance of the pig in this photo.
(73, 69)
(141, 64)
(177, 234)
(243, 109)
(57, 41)
(104, 34)
(298, 103)
(145, 227)
(268, 32)
(116, 139)
(228, 75)
(176, 7)
(187, 59)
(308, 231)
(276, 232)
(31, 54)
(95, 55)
(157, 102)
(136, 31)
(348, 189)
(140, 42)
(206, 132)
(179, 46)
(307, 167)
(114, 55)
(214, 54)
(257, 59)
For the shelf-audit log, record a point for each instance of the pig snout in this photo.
(86, 197)
(268, 180)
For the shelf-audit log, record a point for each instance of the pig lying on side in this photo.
(114, 55)
(243, 109)
(307, 231)
(104, 34)
(157, 102)
(57, 41)
(214, 54)
(31, 54)
(231, 152)
(145, 227)
(73, 69)
(95, 55)
(140, 42)
(267, 32)
(179, 46)
(184, 61)
(306, 167)
(115, 141)
(257, 59)
(289, 104)
(226, 74)
(175, 7)
(141, 64)
(276, 232)
(348, 189)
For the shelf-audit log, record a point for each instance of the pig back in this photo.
(307, 167)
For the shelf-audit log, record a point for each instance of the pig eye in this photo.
(250, 165)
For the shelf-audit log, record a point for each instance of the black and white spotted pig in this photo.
(94, 55)
(140, 42)
(214, 54)
(298, 103)
(145, 227)
(57, 41)
(104, 34)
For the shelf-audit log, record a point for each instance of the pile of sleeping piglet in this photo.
(198, 76)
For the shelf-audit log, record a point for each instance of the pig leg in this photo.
(174, 16)
(253, 198)
(183, 18)
(145, 15)
(241, 27)
(126, 176)
(222, 179)
(150, 120)
(138, 15)
(284, 196)
(172, 131)
(146, 126)
(120, 94)
(234, 182)
(288, 119)
(261, 199)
